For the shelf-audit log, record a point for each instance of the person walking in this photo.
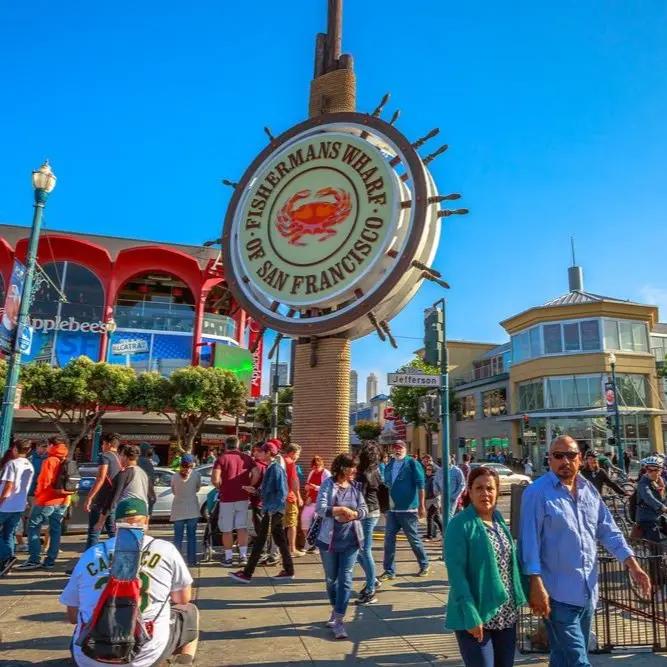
(231, 473)
(16, 475)
(342, 508)
(370, 481)
(273, 492)
(294, 500)
(483, 570)
(50, 507)
(457, 485)
(563, 518)
(404, 478)
(100, 493)
(146, 464)
(597, 476)
(651, 504)
(318, 473)
(465, 466)
(433, 497)
(185, 485)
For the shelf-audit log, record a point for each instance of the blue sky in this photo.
(555, 117)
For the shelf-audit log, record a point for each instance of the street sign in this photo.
(17, 396)
(412, 380)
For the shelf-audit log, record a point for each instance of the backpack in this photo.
(68, 476)
(116, 631)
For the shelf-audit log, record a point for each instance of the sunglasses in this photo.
(559, 456)
(652, 469)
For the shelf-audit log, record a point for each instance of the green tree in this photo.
(264, 411)
(406, 399)
(75, 397)
(188, 398)
(367, 430)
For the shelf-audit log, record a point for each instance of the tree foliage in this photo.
(367, 430)
(264, 410)
(188, 398)
(75, 397)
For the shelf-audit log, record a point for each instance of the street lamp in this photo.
(611, 358)
(43, 182)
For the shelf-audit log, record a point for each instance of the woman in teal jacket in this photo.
(485, 585)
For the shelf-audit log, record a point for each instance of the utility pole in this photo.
(275, 387)
(617, 417)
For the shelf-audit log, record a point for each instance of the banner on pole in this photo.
(610, 396)
(10, 314)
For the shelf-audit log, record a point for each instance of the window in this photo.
(625, 335)
(468, 407)
(590, 335)
(631, 390)
(574, 392)
(494, 402)
(521, 347)
(531, 395)
(571, 337)
(552, 339)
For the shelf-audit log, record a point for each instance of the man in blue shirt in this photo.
(562, 519)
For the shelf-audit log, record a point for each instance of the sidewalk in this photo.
(263, 624)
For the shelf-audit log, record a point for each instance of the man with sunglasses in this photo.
(651, 504)
(562, 519)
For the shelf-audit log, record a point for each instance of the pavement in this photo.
(269, 624)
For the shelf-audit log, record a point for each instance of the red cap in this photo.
(270, 447)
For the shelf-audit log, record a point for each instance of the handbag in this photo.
(314, 530)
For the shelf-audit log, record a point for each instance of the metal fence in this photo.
(623, 618)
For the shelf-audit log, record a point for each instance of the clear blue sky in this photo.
(555, 117)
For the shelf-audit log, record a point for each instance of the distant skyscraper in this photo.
(354, 387)
(283, 374)
(371, 387)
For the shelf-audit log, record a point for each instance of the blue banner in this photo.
(10, 314)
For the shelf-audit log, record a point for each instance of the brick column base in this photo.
(321, 418)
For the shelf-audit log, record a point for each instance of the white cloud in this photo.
(655, 295)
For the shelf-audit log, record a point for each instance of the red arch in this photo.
(134, 261)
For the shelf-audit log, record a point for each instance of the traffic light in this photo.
(609, 425)
(434, 336)
(250, 408)
(611, 441)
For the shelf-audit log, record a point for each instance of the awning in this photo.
(588, 412)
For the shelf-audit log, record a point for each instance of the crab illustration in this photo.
(315, 218)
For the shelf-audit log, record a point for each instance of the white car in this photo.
(164, 496)
(507, 476)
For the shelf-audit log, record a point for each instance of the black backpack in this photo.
(68, 477)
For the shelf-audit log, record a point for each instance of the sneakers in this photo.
(339, 629)
(332, 620)
(424, 572)
(21, 548)
(283, 576)
(243, 561)
(29, 565)
(311, 550)
(228, 562)
(271, 561)
(48, 566)
(386, 576)
(298, 553)
(366, 597)
(378, 584)
(241, 577)
(7, 565)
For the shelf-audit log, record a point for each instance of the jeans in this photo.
(273, 523)
(568, 627)
(189, 525)
(432, 520)
(408, 522)
(8, 524)
(338, 567)
(40, 514)
(94, 535)
(650, 531)
(366, 554)
(495, 650)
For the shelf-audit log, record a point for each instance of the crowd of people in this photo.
(337, 509)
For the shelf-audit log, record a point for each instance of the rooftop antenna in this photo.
(575, 274)
(574, 259)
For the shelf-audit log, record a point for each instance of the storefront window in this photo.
(494, 402)
(531, 395)
(161, 352)
(631, 390)
(65, 329)
(468, 407)
(659, 347)
(574, 392)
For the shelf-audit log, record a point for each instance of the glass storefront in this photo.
(67, 329)
(161, 352)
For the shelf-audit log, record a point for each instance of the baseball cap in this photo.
(187, 459)
(131, 507)
(399, 443)
(270, 447)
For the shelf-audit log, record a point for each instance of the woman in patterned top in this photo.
(484, 577)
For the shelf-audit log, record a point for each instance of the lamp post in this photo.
(611, 357)
(43, 182)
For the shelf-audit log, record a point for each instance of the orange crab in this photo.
(316, 218)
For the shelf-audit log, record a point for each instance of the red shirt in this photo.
(292, 479)
(315, 478)
(234, 467)
(256, 500)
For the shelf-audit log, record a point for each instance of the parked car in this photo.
(507, 476)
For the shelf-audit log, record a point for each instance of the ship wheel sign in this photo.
(332, 227)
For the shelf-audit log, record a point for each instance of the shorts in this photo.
(233, 515)
(291, 518)
(183, 628)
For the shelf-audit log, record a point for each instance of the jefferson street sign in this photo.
(412, 380)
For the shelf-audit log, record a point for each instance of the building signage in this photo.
(610, 396)
(71, 324)
(130, 346)
(412, 380)
(10, 313)
(325, 226)
(256, 341)
(25, 339)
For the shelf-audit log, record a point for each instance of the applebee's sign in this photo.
(70, 324)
